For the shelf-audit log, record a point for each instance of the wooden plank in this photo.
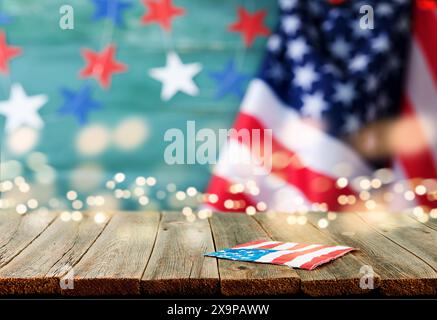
(18, 231)
(401, 273)
(243, 278)
(39, 268)
(406, 232)
(339, 277)
(177, 265)
(116, 262)
(431, 222)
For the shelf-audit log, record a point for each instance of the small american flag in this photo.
(324, 79)
(294, 255)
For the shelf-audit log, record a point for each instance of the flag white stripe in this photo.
(301, 260)
(278, 194)
(315, 148)
(423, 94)
(285, 246)
(272, 256)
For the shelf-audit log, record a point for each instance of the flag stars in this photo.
(345, 93)
(352, 124)
(297, 49)
(359, 32)
(274, 43)
(314, 105)
(305, 76)
(359, 63)
(381, 44)
(372, 83)
(290, 24)
(287, 4)
(384, 9)
(276, 72)
(340, 48)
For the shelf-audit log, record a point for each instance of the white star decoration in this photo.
(176, 76)
(21, 110)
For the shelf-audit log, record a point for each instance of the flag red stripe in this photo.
(315, 186)
(269, 246)
(419, 165)
(425, 26)
(288, 257)
(249, 244)
(324, 258)
(220, 187)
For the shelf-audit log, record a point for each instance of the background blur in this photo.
(115, 160)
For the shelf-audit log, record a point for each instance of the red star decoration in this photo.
(101, 65)
(250, 25)
(161, 12)
(6, 53)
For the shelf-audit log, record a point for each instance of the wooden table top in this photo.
(151, 253)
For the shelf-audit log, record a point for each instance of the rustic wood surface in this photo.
(152, 253)
(177, 265)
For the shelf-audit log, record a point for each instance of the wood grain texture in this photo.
(178, 265)
(432, 223)
(116, 262)
(339, 277)
(18, 231)
(39, 268)
(410, 234)
(243, 278)
(401, 272)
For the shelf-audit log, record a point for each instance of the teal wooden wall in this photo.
(52, 60)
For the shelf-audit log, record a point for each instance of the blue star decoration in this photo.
(111, 9)
(229, 81)
(4, 19)
(78, 103)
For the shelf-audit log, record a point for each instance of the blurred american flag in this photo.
(329, 89)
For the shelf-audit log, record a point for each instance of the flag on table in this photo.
(325, 80)
(294, 255)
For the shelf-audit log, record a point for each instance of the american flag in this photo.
(420, 102)
(325, 80)
(294, 255)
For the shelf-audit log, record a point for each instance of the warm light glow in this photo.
(342, 182)
(323, 223)
(93, 140)
(22, 140)
(130, 134)
(100, 217)
(140, 181)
